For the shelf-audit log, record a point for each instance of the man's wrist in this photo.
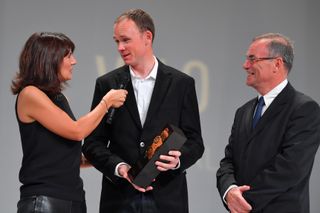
(116, 171)
(177, 166)
(226, 192)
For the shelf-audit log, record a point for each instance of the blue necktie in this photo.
(257, 115)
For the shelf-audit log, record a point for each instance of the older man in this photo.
(274, 137)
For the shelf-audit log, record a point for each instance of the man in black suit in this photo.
(157, 95)
(267, 165)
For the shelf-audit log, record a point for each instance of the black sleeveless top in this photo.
(50, 164)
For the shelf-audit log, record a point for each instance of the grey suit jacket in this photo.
(276, 157)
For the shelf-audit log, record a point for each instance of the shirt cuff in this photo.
(225, 194)
(116, 173)
(178, 165)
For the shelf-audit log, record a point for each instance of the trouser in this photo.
(141, 203)
(45, 204)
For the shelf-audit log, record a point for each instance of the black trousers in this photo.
(141, 203)
(45, 204)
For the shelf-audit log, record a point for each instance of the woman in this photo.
(50, 135)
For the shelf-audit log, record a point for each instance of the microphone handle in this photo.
(113, 110)
(110, 115)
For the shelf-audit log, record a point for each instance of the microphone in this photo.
(123, 84)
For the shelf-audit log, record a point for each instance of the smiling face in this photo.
(66, 67)
(261, 68)
(133, 45)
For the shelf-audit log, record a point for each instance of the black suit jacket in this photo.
(275, 158)
(173, 101)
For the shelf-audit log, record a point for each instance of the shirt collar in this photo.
(152, 74)
(271, 95)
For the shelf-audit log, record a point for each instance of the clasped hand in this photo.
(165, 163)
(235, 200)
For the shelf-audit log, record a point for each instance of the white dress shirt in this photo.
(272, 94)
(143, 88)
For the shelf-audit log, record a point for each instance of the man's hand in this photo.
(123, 172)
(169, 161)
(84, 163)
(236, 202)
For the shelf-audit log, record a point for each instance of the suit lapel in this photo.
(160, 89)
(276, 107)
(130, 103)
(248, 116)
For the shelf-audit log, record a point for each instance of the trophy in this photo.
(145, 170)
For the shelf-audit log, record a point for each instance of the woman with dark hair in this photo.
(50, 135)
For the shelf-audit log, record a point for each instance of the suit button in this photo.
(142, 144)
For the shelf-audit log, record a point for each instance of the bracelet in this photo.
(104, 101)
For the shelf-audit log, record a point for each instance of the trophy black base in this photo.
(145, 171)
